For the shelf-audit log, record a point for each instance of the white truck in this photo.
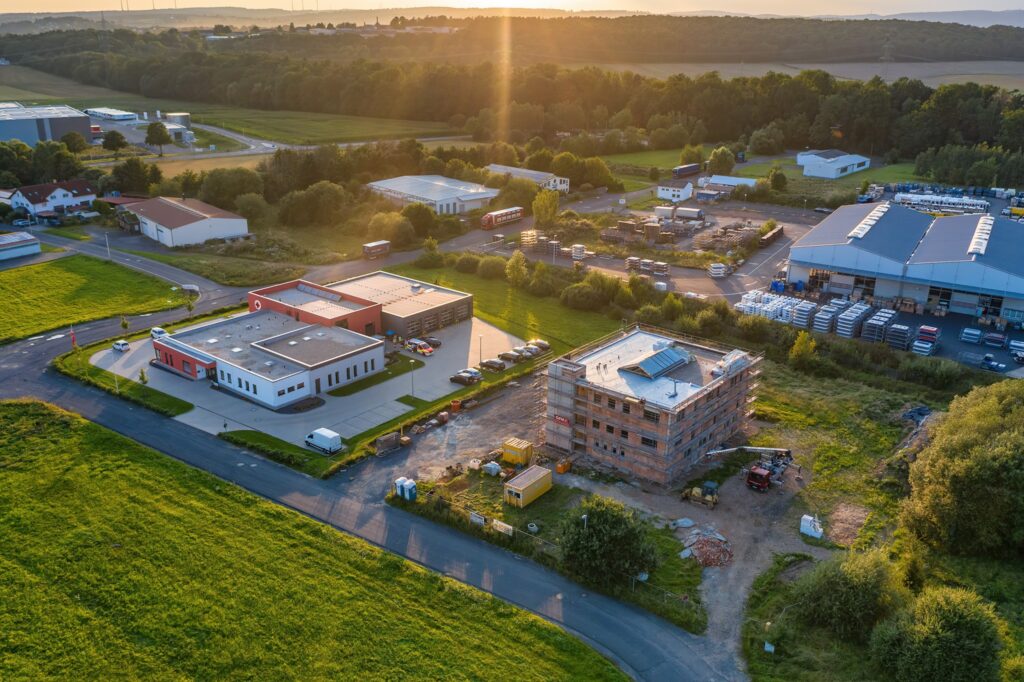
(324, 440)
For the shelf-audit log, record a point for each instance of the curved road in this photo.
(644, 645)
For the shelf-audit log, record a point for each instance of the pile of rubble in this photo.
(707, 546)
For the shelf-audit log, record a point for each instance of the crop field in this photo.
(171, 166)
(73, 290)
(1005, 74)
(290, 127)
(150, 569)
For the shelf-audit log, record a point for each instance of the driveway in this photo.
(462, 346)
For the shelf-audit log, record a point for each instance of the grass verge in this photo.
(236, 272)
(76, 233)
(122, 582)
(274, 448)
(76, 289)
(670, 592)
(397, 368)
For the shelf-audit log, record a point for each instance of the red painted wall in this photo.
(356, 319)
(175, 359)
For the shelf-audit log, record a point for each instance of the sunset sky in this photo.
(791, 7)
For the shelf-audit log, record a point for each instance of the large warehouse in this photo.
(895, 256)
(182, 222)
(831, 163)
(442, 194)
(32, 125)
(647, 403)
(542, 179)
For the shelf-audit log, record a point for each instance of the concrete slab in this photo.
(462, 346)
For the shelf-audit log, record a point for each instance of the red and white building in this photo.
(54, 198)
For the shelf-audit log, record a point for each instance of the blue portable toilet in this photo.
(409, 490)
(399, 483)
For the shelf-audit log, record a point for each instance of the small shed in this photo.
(523, 489)
(18, 244)
(517, 451)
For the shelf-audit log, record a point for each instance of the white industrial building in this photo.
(675, 190)
(444, 195)
(726, 181)
(32, 125)
(17, 245)
(895, 256)
(542, 179)
(182, 222)
(831, 163)
(108, 114)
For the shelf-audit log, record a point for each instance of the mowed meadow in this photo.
(120, 563)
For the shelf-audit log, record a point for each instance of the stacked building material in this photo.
(970, 335)
(824, 320)
(927, 340)
(765, 304)
(877, 326)
(802, 314)
(849, 322)
(898, 336)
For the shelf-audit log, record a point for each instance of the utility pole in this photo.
(481, 349)
(106, 239)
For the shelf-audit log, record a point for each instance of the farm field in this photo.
(1003, 73)
(172, 166)
(122, 585)
(292, 127)
(73, 290)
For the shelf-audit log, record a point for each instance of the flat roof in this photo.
(107, 111)
(270, 344)
(19, 113)
(517, 172)
(399, 296)
(528, 477)
(13, 239)
(433, 188)
(314, 301)
(658, 369)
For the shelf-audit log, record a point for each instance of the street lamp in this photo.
(481, 349)
(412, 377)
(584, 517)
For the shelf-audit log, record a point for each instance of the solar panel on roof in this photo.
(657, 364)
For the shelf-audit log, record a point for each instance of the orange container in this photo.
(563, 466)
(456, 405)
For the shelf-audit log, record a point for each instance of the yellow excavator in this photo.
(705, 493)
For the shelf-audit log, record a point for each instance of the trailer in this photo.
(942, 202)
(686, 170)
(489, 221)
(372, 250)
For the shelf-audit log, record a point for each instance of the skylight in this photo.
(865, 225)
(982, 232)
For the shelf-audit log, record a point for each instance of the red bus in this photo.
(491, 220)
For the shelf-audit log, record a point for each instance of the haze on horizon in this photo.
(781, 7)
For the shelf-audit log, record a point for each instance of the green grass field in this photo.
(798, 184)
(223, 143)
(665, 159)
(73, 290)
(76, 233)
(238, 272)
(121, 563)
(394, 369)
(291, 127)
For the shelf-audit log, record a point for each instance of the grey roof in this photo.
(894, 236)
(12, 239)
(398, 296)
(539, 177)
(48, 111)
(432, 188)
(828, 153)
(948, 240)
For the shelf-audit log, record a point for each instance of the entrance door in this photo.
(318, 385)
(370, 329)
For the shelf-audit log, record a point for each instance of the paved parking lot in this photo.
(463, 345)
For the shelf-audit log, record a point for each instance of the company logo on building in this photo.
(559, 419)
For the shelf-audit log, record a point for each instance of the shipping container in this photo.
(525, 488)
(517, 451)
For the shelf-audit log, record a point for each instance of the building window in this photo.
(649, 442)
(373, 364)
(623, 433)
(348, 373)
(595, 424)
(281, 392)
(303, 385)
(239, 382)
(222, 375)
(337, 377)
(366, 366)
(254, 391)
(609, 428)
(597, 397)
(625, 408)
(247, 386)
(579, 420)
(651, 416)
(291, 389)
(330, 379)
(611, 403)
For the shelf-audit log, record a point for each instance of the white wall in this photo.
(196, 233)
(261, 389)
(59, 201)
(836, 168)
(19, 251)
(356, 367)
(670, 193)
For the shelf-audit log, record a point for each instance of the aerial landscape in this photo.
(484, 343)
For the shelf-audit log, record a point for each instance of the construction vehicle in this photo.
(706, 494)
(759, 479)
(772, 461)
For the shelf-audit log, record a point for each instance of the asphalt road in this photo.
(644, 645)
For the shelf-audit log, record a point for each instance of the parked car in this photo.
(534, 350)
(822, 209)
(511, 356)
(540, 343)
(432, 341)
(496, 365)
(522, 350)
(473, 372)
(157, 332)
(989, 362)
(1017, 356)
(463, 378)
(121, 346)
(419, 346)
(21, 222)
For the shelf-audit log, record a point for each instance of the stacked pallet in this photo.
(849, 322)
(769, 305)
(802, 314)
(876, 328)
(898, 336)
(970, 335)
(927, 340)
(824, 320)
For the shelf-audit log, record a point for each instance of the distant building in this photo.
(647, 403)
(108, 114)
(32, 125)
(51, 199)
(444, 195)
(182, 222)
(728, 181)
(675, 190)
(18, 245)
(831, 163)
(542, 179)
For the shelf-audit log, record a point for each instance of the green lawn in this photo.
(73, 290)
(76, 233)
(151, 569)
(798, 184)
(291, 127)
(394, 369)
(173, 166)
(665, 159)
(205, 138)
(237, 272)
(297, 457)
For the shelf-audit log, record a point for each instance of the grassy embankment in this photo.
(228, 270)
(74, 290)
(76, 233)
(290, 127)
(152, 569)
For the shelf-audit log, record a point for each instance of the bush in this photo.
(492, 267)
(850, 594)
(753, 328)
(967, 483)
(949, 634)
(709, 323)
(648, 314)
(467, 263)
(583, 296)
(802, 355)
(607, 548)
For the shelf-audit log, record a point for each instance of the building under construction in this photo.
(646, 402)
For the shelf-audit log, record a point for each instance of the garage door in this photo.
(840, 284)
(963, 303)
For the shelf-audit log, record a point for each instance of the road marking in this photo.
(55, 337)
(34, 338)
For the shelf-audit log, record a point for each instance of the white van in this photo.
(157, 332)
(324, 440)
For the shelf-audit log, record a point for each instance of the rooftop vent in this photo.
(211, 340)
(293, 343)
(865, 225)
(306, 338)
(236, 349)
(268, 363)
(321, 334)
(979, 242)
